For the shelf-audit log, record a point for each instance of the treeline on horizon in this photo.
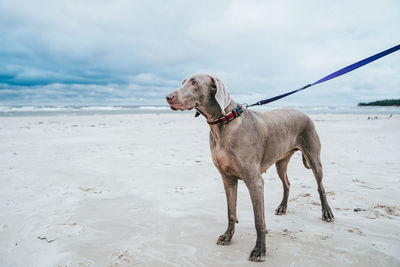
(386, 102)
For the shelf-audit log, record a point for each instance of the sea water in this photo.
(11, 111)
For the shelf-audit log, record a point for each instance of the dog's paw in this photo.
(327, 215)
(281, 210)
(224, 240)
(257, 254)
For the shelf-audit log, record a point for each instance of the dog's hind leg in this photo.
(281, 168)
(311, 148)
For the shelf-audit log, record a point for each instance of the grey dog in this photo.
(248, 145)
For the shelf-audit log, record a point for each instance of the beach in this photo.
(141, 190)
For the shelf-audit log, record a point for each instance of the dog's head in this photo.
(200, 91)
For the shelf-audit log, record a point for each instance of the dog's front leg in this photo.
(230, 186)
(256, 190)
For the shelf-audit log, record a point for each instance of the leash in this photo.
(331, 76)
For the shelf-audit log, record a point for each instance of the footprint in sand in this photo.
(179, 190)
(306, 195)
(57, 231)
(86, 189)
(364, 184)
(386, 210)
(355, 231)
(290, 234)
(122, 258)
(342, 209)
(323, 236)
(379, 210)
(89, 190)
(315, 203)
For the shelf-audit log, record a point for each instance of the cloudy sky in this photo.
(94, 52)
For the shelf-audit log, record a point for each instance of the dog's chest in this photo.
(225, 161)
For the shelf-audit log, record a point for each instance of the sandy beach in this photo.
(141, 190)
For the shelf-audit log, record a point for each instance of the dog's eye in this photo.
(194, 83)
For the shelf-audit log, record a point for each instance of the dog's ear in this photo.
(221, 96)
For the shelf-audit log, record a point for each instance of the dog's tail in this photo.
(305, 162)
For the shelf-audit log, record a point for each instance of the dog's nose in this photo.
(169, 97)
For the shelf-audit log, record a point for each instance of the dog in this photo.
(245, 143)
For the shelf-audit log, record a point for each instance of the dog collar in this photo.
(229, 116)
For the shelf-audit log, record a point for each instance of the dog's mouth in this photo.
(179, 106)
(173, 108)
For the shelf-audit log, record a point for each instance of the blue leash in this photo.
(333, 75)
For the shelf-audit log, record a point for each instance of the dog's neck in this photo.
(214, 112)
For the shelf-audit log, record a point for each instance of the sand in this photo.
(141, 190)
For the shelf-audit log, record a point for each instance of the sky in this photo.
(98, 52)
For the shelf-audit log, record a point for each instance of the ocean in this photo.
(17, 111)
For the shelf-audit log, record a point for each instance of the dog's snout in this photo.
(169, 97)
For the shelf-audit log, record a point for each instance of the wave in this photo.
(154, 108)
(78, 108)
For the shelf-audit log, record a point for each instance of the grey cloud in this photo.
(99, 51)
